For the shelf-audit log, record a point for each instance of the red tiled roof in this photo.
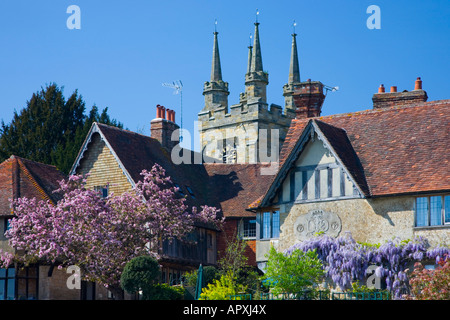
(20, 177)
(229, 187)
(400, 149)
(236, 186)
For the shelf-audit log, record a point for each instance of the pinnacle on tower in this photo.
(249, 65)
(294, 70)
(216, 70)
(256, 79)
(256, 56)
(216, 90)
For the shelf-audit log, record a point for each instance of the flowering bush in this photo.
(346, 260)
(101, 235)
(431, 284)
(222, 288)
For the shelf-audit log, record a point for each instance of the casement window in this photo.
(433, 211)
(7, 284)
(247, 228)
(270, 225)
(20, 284)
(103, 190)
(7, 224)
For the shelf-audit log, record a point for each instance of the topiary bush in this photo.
(140, 273)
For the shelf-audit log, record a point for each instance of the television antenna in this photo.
(178, 89)
(332, 89)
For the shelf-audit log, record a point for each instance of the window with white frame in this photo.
(247, 228)
(433, 211)
(270, 225)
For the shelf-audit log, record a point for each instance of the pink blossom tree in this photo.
(100, 235)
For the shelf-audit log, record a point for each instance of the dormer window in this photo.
(191, 193)
(103, 190)
(180, 191)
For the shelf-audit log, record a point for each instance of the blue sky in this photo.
(125, 50)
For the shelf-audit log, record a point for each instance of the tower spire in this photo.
(294, 70)
(256, 56)
(249, 65)
(216, 70)
(216, 90)
(256, 79)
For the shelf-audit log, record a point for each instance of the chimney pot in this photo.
(381, 89)
(170, 115)
(158, 111)
(418, 85)
(162, 128)
(394, 89)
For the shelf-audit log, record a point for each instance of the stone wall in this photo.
(244, 123)
(368, 220)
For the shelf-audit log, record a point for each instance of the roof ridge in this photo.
(387, 109)
(30, 176)
(123, 130)
(36, 162)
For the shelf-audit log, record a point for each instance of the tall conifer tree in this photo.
(50, 129)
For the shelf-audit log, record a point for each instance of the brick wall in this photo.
(230, 230)
(391, 99)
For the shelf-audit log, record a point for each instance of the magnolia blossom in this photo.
(101, 235)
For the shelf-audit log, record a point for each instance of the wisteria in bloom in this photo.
(345, 260)
(100, 235)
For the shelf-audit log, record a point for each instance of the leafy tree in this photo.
(101, 235)
(210, 273)
(292, 273)
(140, 273)
(50, 129)
(234, 259)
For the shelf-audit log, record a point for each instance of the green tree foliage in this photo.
(293, 273)
(50, 129)
(222, 289)
(140, 273)
(210, 273)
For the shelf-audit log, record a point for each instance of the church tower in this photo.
(252, 130)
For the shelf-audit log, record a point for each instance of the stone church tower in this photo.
(252, 131)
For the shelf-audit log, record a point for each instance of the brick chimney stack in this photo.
(393, 98)
(163, 126)
(308, 99)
